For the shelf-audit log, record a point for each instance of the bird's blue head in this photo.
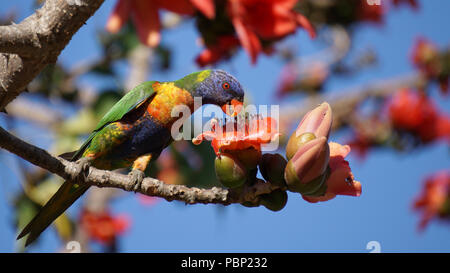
(215, 87)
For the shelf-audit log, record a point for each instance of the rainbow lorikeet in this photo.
(135, 131)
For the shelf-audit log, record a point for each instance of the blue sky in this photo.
(345, 224)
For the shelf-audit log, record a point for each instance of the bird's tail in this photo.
(66, 195)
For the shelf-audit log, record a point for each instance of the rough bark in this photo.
(149, 186)
(26, 48)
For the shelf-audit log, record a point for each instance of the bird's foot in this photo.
(80, 169)
(137, 177)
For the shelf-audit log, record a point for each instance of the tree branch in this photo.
(37, 41)
(344, 102)
(150, 186)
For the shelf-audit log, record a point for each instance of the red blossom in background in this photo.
(415, 112)
(145, 15)
(279, 20)
(213, 53)
(267, 19)
(102, 226)
(372, 13)
(426, 57)
(434, 200)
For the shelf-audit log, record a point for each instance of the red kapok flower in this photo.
(268, 19)
(414, 112)
(434, 198)
(103, 227)
(423, 55)
(426, 57)
(220, 50)
(341, 180)
(145, 15)
(370, 12)
(230, 138)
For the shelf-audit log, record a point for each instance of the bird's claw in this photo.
(137, 177)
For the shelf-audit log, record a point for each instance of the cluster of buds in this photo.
(316, 169)
(238, 155)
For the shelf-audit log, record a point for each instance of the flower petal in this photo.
(206, 7)
(119, 16)
(317, 121)
(248, 39)
(146, 19)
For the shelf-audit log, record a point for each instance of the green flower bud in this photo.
(275, 200)
(295, 142)
(249, 158)
(272, 168)
(315, 187)
(230, 171)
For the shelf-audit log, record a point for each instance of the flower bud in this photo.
(308, 164)
(249, 157)
(230, 172)
(341, 180)
(315, 124)
(317, 121)
(275, 200)
(272, 168)
(295, 142)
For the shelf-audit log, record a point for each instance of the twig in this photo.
(149, 186)
(344, 102)
(35, 112)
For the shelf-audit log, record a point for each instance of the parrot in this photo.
(135, 131)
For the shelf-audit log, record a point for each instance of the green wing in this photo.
(127, 103)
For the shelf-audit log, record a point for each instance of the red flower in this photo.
(214, 53)
(102, 226)
(426, 57)
(424, 53)
(230, 138)
(434, 199)
(145, 15)
(267, 19)
(370, 12)
(341, 180)
(414, 112)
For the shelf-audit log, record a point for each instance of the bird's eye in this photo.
(226, 85)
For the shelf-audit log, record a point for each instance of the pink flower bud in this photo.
(341, 180)
(317, 121)
(309, 162)
(315, 124)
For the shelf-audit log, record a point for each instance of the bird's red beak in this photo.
(233, 108)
